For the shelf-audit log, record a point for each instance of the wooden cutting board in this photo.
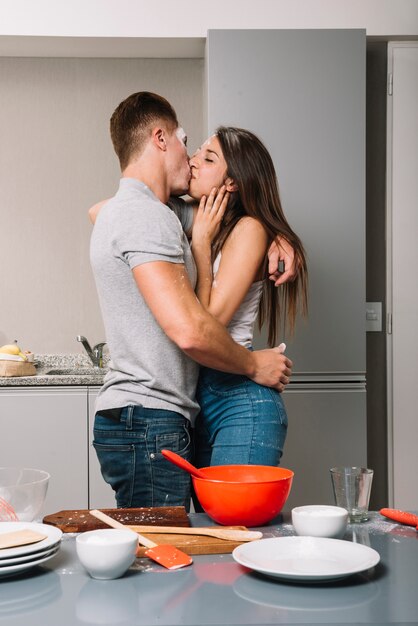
(77, 521)
(80, 520)
(194, 544)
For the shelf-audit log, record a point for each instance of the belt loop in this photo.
(129, 417)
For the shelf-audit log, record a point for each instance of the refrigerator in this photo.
(303, 93)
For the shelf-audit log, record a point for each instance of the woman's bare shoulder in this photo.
(251, 229)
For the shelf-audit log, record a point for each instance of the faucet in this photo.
(95, 353)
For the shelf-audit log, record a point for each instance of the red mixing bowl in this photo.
(247, 495)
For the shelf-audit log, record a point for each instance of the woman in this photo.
(240, 421)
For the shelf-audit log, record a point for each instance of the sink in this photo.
(76, 371)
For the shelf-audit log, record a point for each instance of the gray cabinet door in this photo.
(327, 428)
(46, 429)
(303, 93)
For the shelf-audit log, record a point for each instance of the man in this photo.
(156, 329)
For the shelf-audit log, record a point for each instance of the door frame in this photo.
(392, 496)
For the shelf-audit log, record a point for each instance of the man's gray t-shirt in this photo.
(146, 367)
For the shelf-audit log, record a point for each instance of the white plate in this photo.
(53, 537)
(11, 570)
(306, 558)
(28, 557)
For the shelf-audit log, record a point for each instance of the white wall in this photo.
(56, 159)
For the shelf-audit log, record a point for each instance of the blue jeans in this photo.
(240, 421)
(129, 453)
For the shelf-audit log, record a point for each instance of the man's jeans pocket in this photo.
(129, 453)
(117, 462)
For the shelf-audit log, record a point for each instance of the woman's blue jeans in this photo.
(129, 453)
(240, 421)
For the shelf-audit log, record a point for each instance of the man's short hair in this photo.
(133, 120)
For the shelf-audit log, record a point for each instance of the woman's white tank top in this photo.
(241, 326)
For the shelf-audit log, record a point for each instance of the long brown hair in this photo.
(250, 165)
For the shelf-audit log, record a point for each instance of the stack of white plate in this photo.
(16, 560)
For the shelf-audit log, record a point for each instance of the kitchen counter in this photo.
(216, 590)
(46, 362)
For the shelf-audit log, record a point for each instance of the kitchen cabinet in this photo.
(303, 93)
(101, 495)
(46, 428)
(52, 429)
(326, 428)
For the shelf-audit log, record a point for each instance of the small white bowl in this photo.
(107, 553)
(320, 520)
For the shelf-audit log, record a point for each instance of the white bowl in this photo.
(320, 520)
(107, 553)
(24, 489)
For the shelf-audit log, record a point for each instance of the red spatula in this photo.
(182, 463)
(410, 519)
(166, 555)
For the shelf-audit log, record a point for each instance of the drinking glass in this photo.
(352, 486)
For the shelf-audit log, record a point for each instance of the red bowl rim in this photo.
(246, 482)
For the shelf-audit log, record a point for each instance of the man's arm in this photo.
(186, 212)
(94, 210)
(283, 265)
(168, 293)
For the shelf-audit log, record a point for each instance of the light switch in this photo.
(373, 316)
